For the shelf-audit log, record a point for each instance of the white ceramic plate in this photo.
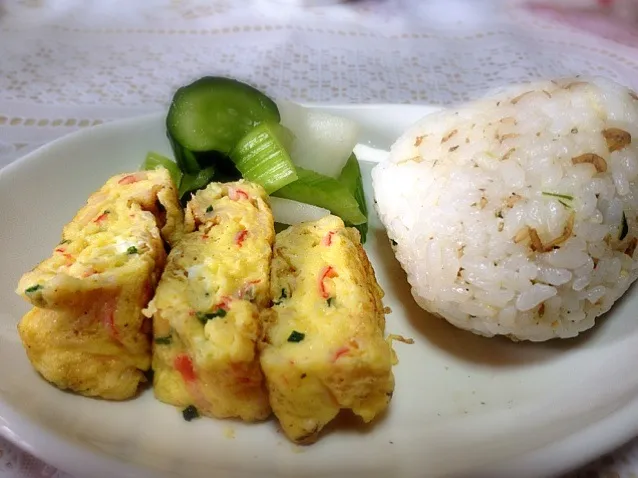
(463, 405)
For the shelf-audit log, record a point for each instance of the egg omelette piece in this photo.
(324, 349)
(206, 311)
(86, 332)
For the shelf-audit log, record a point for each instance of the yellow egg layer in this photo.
(206, 311)
(324, 347)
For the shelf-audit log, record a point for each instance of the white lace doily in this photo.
(70, 64)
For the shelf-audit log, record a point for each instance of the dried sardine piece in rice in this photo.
(537, 244)
(521, 235)
(616, 139)
(512, 199)
(574, 84)
(449, 135)
(508, 154)
(508, 120)
(503, 137)
(599, 162)
(567, 233)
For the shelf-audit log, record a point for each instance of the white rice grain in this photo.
(534, 296)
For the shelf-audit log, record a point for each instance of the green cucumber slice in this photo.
(186, 160)
(213, 113)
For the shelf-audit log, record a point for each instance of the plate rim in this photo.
(59, 451)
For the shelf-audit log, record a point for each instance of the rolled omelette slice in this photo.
(323, 349)
(206, 312)
(87, 332)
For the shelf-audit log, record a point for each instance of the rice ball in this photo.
(516, 214)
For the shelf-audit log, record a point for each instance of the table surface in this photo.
(71, 64)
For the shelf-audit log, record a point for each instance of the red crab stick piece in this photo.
(327, 239)
(327, 272)
(241, 237)
(184, 365)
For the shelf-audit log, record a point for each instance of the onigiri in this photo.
(516, 214)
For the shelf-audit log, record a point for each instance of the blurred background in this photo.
(69, 62)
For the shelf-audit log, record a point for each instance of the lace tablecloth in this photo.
(70, 64)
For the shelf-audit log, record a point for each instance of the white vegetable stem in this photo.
(291, 212)
(323, 142)
(367, 153)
